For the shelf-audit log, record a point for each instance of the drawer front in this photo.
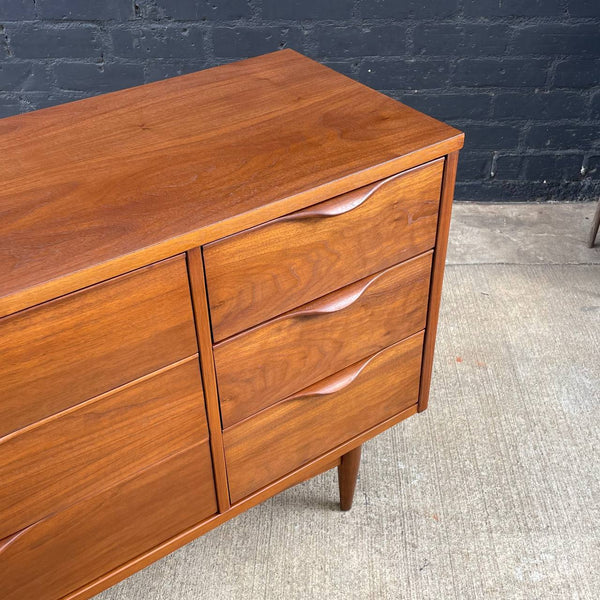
(263, 272)
(61, 353)
(67, 550)
(271, 361)
(67, 458)
(287, 435)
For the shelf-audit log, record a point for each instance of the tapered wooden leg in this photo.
(347, 475)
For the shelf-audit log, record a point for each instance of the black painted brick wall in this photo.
(521, 77)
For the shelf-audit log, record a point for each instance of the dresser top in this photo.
(107, 184)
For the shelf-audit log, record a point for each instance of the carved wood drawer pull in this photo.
(339, 301)
(337, 382)
(337, 206)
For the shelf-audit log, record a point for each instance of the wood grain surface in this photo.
(200, 301)
(93, 446)
(273, 360)
(283, 437)
(347, 476)
(323, 463)
(58, 354)
(289, 215)
(263, 272)
(60, 553)
(437, 276)
(107, 184)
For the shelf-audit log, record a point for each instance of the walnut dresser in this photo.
(212, 288)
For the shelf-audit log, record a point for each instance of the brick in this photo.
(23, 76)
(596, 106)
(491, 137)
(345, 68)
(196, 10)
(554, 167)
(386, 40)
(516, 191)
(447, 107)
(473, 166)
(405, 74)
(558, 39)
(38, 100)
(576, 137)
(307, 9)
(463, 190)
(95, 78)
(17, 10)
(476, 191)
(239, 42)
(584, 8)
(526, 191)
(508, 167)
(158, 69)
(495, 72)
(577, 73)
(396, 9)
(436, 39)
(85, 10)
(539, 105)
(593, 167)
(48, 41)
(3, 44)
(514, 8)
(9, 107)
(171, 41)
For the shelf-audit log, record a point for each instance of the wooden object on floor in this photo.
(347, 476)
(211, 288)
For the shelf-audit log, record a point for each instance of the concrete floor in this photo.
(494, 492)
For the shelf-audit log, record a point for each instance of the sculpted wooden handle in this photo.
(336, 382)
(336, 206)
(338, 300)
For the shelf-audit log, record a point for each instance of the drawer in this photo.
(304, 426)
(273, 360)
(265, 271)
(61, 553)
(66, 351)
(64, 459)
